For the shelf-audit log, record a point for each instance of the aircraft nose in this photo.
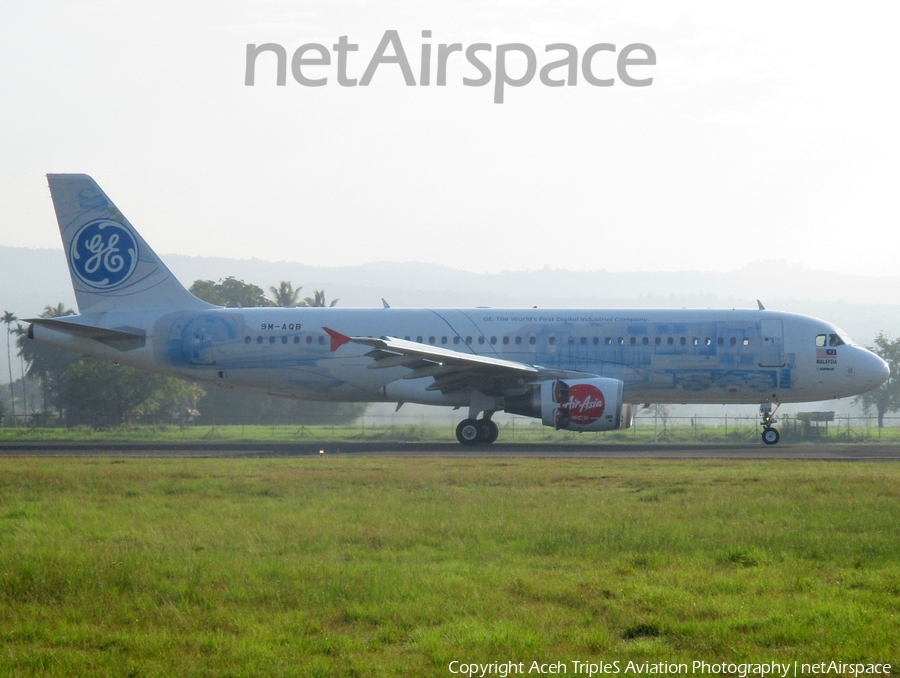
(873, 370)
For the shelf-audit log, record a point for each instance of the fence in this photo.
(441, 428)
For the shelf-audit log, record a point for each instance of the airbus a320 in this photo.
(574, 369)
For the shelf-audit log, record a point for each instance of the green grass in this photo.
(342, 566)
(739, 432)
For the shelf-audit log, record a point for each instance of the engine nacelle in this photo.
(575, 404)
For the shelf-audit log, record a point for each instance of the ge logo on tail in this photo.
(103, 254)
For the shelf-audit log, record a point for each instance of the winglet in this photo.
(337, 339)
(760, 304)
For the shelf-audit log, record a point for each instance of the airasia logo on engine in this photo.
(585, 404)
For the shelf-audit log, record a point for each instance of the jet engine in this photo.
(575, 404)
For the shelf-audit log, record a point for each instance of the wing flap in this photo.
(443, 356)
(451, 370)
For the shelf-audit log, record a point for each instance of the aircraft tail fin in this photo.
(111, 266)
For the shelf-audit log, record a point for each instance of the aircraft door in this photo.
(202, 346)
(771, 353)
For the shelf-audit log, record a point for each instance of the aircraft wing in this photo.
(451, 370)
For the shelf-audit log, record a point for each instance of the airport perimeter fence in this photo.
(418, 428)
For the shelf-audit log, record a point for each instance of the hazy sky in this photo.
(770, 132)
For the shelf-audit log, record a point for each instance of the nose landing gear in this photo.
(770, 435)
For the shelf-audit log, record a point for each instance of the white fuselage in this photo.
(661, 356)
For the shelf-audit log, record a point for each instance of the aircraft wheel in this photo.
(770, 436)
(468, 432)
(489, 431)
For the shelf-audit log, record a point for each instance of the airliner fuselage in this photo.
(575, 369)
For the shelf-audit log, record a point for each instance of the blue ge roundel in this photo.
(103, 254)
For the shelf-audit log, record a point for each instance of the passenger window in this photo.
(583, 340)
(407, 338)
(308, 340)
(621, 341)
(820, 340)
(259, 340)
(645, 341)
(271, 340)
(455, 340)
(746, 341)
(296, 339)
(571, 340)
(468, 340)
(696, 341)
(596, 340)
(658, 341)
(732, 341)
(506, 340)
(443, 340)
(609, 341)
(632, 341)
(670, 341)
(321, 340)
(431, 340)
(246, 340)
(419, 339)
(518, 340)
(682, 341)
(720, 341)
(493, 340)
(283, 340)
(835, 340)
(552, 340)
(532, 340)
(708, 341)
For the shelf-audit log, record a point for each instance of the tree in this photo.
(885, 398)
(285, 294)
(48, 363)
(230, 292)
(9, 318)
(228, 406)
(318, 300)
(103, 394)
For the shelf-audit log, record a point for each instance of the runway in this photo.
(749, 451)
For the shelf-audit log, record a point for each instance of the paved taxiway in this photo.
(825, 452)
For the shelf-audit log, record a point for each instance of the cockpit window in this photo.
(820, 340)
(835, 340)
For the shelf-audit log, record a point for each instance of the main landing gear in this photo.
(770, 435)
(477, 431)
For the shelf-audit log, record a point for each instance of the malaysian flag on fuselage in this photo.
(826, 353)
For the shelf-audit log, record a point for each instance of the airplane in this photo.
(574, 369)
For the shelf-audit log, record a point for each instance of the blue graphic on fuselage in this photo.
(103, 254)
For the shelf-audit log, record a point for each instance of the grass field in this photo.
(346, 566)
(736, 431)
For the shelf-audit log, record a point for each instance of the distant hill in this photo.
(862, 305)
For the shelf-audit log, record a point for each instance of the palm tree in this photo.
(20, 333)
(57, 311)
(9, 318)
(318, 301)
(285, 295)
(45, 362)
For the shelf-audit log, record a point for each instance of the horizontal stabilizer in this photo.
(122, 338)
